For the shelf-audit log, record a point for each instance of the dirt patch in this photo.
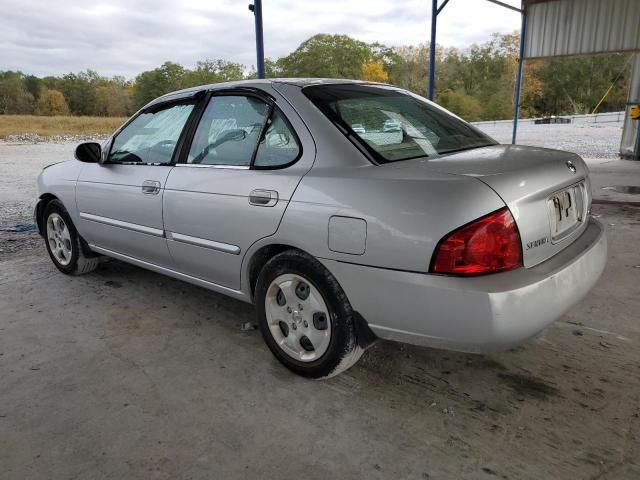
(14, 242)
(528, 385)
(134, 324)
(489, 362)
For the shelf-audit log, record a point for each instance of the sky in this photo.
(126, 37)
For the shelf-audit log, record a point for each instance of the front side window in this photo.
(151, 137)
(228, 131)
(393, 124)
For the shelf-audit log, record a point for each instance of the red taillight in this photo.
(489, 244)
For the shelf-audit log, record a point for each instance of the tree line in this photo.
(476, 83)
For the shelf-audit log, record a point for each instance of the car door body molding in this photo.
(203, 242)
(156, 232)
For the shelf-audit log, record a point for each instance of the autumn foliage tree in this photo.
(52, 102)
(113, 100)
(374, 72)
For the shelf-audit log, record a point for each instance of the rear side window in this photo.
(279, 146)
(151, 137)
(392, 124)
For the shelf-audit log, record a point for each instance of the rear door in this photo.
(120, 201)
(231, 189)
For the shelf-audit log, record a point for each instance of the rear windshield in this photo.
(393, 124)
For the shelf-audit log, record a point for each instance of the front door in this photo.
(244, 163)
(120, 200)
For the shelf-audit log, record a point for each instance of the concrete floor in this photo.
(124, 373)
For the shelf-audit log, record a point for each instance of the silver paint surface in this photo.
(211, 231)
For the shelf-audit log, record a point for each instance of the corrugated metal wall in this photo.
(574, 27)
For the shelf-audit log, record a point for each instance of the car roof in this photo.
(256, 83)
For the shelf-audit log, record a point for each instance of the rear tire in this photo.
(305, 317)
(63, 241)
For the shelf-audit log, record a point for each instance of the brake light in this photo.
(486, 245)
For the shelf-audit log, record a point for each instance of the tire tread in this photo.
(344, 351)
(81, 264)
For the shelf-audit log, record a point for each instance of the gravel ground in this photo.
(36, 138)
(124, 373)
(590, 141)
(598, 144)
(20, 164)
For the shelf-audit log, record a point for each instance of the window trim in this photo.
(261, 138)
(158, 107)
(181, 160)
(228, 167)
(263, 129)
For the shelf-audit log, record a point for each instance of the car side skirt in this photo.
(237, 294)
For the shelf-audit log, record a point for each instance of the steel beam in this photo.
(506, 5)
(432, 49)
(516, 99)
(630, 142)
(256, 8)
(444, 4)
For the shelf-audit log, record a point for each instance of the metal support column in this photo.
(432, 49)
(256, 8)
(637, 152)
(435, 11)
(516, 99)
(630, 143)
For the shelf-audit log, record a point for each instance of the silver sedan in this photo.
(428, 233)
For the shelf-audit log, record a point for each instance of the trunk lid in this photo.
(547, 191)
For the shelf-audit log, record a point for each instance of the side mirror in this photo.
(89, 152)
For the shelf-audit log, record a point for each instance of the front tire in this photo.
(305, 317)
(63, 241)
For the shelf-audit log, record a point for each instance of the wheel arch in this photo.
(260, 257)
(43, 201)
(257, 260)
(41, 207)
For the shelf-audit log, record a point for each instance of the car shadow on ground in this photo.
(432, 375)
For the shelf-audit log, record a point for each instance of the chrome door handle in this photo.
(150, 187)
(263, 198)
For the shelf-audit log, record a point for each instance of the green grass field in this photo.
(49, 126)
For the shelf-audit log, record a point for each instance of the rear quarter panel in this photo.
(405, 215)
(406, 210)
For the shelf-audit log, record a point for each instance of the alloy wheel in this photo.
(59, 239)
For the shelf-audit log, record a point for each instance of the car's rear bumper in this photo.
(477, 314)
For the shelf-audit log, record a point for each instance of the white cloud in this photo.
(125, 37)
